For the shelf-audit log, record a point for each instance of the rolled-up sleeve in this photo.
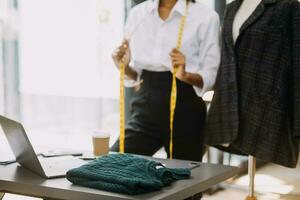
(132, 83)
(209, 53)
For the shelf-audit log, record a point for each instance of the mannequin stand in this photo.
(251, 172)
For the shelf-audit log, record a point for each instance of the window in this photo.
(68, 83)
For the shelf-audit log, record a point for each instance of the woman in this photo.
(149, 57)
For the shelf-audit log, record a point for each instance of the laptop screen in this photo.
(21, 145)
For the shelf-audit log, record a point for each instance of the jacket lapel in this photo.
(230, 15)
(259, 11)
(228, 22)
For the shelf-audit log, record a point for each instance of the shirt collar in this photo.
(179, 6)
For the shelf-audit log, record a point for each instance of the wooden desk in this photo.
(17, 180)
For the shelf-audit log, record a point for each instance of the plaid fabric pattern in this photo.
(256, 107)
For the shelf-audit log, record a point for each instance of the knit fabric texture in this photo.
(126, 173)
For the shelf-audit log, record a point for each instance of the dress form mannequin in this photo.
(245, 11)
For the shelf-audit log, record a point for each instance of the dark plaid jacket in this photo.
(256, 106)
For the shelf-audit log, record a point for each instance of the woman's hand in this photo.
(178, 61)
(122, 54)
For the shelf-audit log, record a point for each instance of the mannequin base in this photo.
(251, 198)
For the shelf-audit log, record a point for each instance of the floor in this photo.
(236, 194)
(272, 182)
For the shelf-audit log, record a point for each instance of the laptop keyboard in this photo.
(60, 165)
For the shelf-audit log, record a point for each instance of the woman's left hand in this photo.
(178, 61)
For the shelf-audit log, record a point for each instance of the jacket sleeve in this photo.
(296, 70)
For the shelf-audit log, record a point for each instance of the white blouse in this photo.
(152, 39)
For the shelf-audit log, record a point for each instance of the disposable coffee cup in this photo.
(100, 143)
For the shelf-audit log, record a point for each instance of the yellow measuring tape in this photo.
(173, 97)
(122, 109)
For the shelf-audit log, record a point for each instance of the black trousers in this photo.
(148, 128)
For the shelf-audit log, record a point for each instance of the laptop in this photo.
(25, 155)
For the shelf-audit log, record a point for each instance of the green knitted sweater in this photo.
(125, 173)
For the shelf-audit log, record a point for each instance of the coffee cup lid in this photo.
(101, 134)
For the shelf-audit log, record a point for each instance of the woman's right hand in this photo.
(122, 54)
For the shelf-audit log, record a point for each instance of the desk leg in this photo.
(1, 195)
